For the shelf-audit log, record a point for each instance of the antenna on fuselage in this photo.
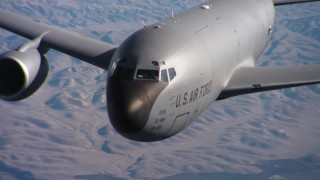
(172, 13)
(143, 23)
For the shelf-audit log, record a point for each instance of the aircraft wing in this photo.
(248, 80)
(90, 50)
(287, 2)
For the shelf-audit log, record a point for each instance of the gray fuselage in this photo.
(165, 75)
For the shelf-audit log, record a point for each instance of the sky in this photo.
(63, 131)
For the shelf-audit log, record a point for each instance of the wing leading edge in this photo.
(248, 80)
(287, 2)
(90, 50)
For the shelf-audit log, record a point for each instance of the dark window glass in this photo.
(172, 73)
(144, 74)
(164, 75)
(123, 72)
(123, 60)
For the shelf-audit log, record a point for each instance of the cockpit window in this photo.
(123, 72)
(144, 74)
(164, 76)
(172, 73)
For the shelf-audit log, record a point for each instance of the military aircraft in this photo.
(162, 77)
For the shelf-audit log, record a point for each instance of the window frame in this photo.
(144, 77)
(129, 76)
(166, 73)
(169, 73)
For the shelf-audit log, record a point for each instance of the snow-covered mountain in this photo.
(63, 131)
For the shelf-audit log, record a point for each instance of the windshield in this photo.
(164, 76)
(123, 72)
(144, 74)
(172, 73)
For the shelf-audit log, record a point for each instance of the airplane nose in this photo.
(130, 103)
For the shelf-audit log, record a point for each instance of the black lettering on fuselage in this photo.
(195, 95)
(178, 102)
(185, 98)
(161, 112)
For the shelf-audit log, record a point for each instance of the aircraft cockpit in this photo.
(168, 74)
(147, 74)
(156, 73)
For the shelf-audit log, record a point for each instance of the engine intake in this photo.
(22, 71)
(11, 77)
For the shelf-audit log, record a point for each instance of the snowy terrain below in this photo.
(63, 130)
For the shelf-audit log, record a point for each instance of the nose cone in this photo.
(130, 103)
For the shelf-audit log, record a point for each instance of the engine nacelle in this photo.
(22, 71)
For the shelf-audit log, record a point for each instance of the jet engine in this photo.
(22, 71)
